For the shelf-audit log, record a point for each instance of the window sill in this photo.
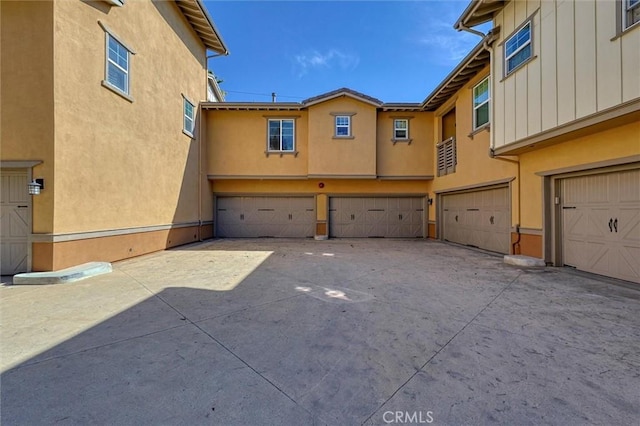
(626, 30)
(281, 153)
(482, 128)
(513, 71)
(343, 137)
(407, 141)
(188, 134)
(117, 91)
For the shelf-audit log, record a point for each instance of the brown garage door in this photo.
(601, 224)
(252, 217)
(15, 222)
(478, 218)
(362, 217)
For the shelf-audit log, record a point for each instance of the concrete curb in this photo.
(520, 260)
(68, 275)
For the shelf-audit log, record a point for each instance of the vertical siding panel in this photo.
(566, 62)
(630, 65)
(548, 66)
(521, 80)
(534, 91)
(609, 73)
(509, 83)
(519, 12)
(585, 57)
(497, 104)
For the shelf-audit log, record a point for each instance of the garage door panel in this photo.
(361, 217)
(478, 218)
(601, 223)
(252, 217)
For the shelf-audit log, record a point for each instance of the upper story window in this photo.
(118, 61)
(517, 49)
(343, 125)
(630, 12)
(189, 117)
(481, 99)
(281, 135)
(400, 129)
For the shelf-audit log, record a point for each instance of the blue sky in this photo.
(396, 51)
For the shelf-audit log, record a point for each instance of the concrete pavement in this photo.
(342, 332)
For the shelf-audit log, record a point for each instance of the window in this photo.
(188, 117)
(517, 49)
(400, 129)
(281, 135)
(447, 157)
(117, 65)
(343, 125)
(481, 104)
(630, 12)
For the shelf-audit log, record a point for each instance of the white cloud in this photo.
(330, 59)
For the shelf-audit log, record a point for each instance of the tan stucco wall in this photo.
(311, 187)
(475, 167)
(403, 158)
(342, 156)
(123, 164)
(237, 141)
(26, 100)
(615, 143)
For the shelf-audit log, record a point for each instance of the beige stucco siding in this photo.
(237, 142)
(26, 101)
(475, 167)
(119, 163)
(354, 156)
(619, 142)
(580, 66)
(404, 158)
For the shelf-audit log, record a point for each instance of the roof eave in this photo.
(255, 106)
(478, 12)
(196, 14)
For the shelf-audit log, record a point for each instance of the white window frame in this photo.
(529, 42)
(476, 126)
(396, 129)
(126, 94)
(188, 130)
(281, 120)
(342, 126)
(627, 8)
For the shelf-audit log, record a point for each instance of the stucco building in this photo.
(100, 105)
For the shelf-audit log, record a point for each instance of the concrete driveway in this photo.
(341, 332)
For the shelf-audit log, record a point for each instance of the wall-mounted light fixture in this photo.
(429, 201)
(35, 186)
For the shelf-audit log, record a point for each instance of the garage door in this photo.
(15, 222)
(479, 219)
(251, 217)
(601, 224)
(361, 217)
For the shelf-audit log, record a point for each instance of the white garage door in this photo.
(252, 217)
(362, 217)
(601, 224)
(478, 218)
(15, 222)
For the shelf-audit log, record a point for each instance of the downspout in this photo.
(492, 154)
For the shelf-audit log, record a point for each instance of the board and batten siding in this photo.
(581, 66)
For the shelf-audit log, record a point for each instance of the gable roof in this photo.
(199, 19)
(478, 12)
(475, 61)
(339, 93)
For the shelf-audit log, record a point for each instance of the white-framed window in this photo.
(518, 49)
(481, 98)
(189, 116)
(343, 126)
(400, 129)
(118, 65)
(281, 135)
(630, 13)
